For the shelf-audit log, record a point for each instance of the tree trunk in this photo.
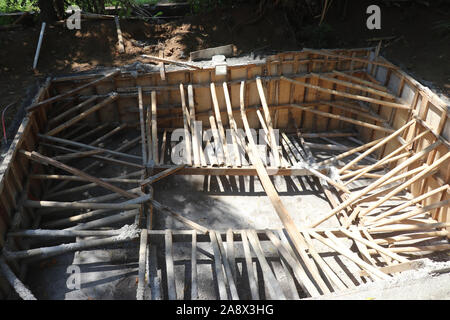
(48, 13)
(59, 6)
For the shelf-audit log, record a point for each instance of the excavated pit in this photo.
(95, 184)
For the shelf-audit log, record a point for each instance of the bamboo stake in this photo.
(196, 144)
(218, 146)
(162, 175)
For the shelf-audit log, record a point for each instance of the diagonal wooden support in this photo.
(268, 118)
(46, 160)
(72, 92)
(282, 212)
(162, 175)
(377, 183)
(86, 146)
(112, 97)
(348, 95)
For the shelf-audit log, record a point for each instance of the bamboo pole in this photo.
(281, 210)
(186, 124)
(14, 281)
(376, 146)
(378, 182)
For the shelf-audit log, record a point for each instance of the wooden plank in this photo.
(275, 291)
(207, 54)
(282, 212)
(194, 285)
(38, 49)
(142, 122)
(342, 118)
(222, 143)
(171, 285)
(227, 267)
(348, 95)
(218, 267)
(376, 146)
(196, 143)
(169, 61)
(40, 158)
(273, 141)
(297, 268)
(249, 265)
(14, 281)
(234, 134)
(86, 146)
(186, 124)
(59, 117)
(155, 152)
(163, 147)
(218, 146)
(377, 183)
(231, 253)
(356, 86)
(112, 97)
(72, 92)
(162, 175)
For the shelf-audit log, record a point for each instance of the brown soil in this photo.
(417, 48)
